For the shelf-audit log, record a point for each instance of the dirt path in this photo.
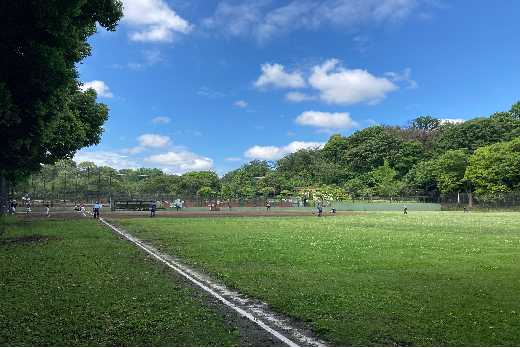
(113, 216)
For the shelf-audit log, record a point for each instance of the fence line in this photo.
(489, 201)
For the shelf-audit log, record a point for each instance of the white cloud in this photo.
(336, 120)
(284, 20)
(297, 97)
(154, 140)
(206, 92)
(164, 120)
(192, 132)
(184, 159)
(405, 76)
(240, 103)
(257, 20)
(99, 86)
(153, 20)
(274, 153)
(153, 56)
(239, 20)
(105, 158)
(233, 159)
(274, 74)
(135, 66)
(341, 86)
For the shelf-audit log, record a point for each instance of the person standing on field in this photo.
(97, 207)
(320, 209)
(47, 209)
(268, 206)
(154, 207)
(405, 208)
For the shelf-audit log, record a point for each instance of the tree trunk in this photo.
(470, 195)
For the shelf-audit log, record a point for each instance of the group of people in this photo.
(80, 208)
(26, 202)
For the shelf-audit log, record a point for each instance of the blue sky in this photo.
(211, 85)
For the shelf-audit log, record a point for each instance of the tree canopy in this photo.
(44, 116)
(383, 160)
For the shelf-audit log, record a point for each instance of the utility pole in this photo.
(274, 194)
(99, 185)
(88, 179)
(65, 189)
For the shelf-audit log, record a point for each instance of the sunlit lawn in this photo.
(422, 279)
(74, 283)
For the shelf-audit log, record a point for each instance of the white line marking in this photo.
(241, 311)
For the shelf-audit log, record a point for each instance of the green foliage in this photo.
(450, 169)
(495, 168)
(43, 115)
(410, 153)
(190, 182)
(478, 132)
(426, 123)
(422, 176)
(369, 147)
(384, 181)
(205, 192)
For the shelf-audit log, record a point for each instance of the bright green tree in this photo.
(495, 168)
(450, 170)
(384, 180)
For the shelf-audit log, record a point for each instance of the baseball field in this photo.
(345, 279)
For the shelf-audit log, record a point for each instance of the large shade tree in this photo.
(44, 116)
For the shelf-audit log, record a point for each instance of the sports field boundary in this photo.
(252, 309)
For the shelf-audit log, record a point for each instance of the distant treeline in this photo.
(479, 156)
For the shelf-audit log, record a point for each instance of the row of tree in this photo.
(479, 156)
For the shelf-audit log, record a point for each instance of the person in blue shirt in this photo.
(154, 207)
(97, 206)
(405, 209)
(319, 210)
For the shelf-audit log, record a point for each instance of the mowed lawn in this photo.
(75, 283)
(422, 279)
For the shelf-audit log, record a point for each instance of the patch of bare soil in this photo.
(26, 239)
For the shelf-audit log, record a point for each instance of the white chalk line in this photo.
(241, 311)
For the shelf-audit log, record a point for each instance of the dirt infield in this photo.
(116, 215)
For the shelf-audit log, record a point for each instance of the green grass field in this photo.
(74, 283)
(385, 279)
(422, 279)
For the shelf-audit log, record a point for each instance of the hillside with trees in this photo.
(480, 156)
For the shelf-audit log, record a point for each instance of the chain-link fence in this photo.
(452, 201)
(487, 201)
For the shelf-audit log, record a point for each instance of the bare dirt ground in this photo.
(116, 215)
